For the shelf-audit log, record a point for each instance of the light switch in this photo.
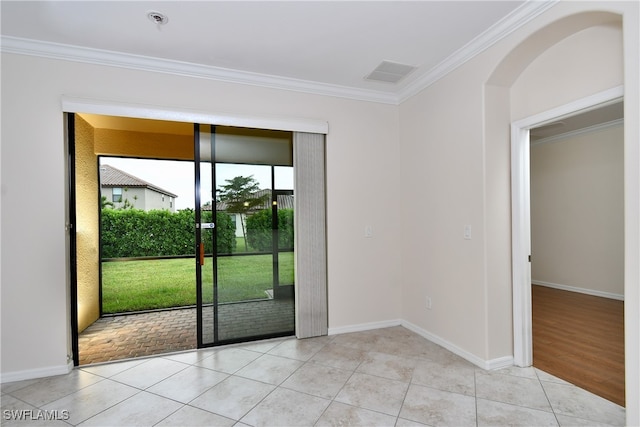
(467, 232)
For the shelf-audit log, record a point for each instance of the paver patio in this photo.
(143, 334)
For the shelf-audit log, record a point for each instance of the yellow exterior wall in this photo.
(87, 225)
(110, 142)
(89, 144)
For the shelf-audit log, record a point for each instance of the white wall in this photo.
(362, 168)
(455, 157)
(154, 200)
(442, 175)
(577, 212)
(450, 168)
(591, 58)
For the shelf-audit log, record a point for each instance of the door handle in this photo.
(201, 254)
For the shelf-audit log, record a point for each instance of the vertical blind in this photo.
(310, 235)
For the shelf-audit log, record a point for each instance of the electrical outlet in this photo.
(368, 231)
(428, 303)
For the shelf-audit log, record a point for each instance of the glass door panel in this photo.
(283, 183)
(244, 235)
(206, 239)
(250, 304)
(283, 248)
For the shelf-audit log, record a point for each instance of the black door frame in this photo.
(71, 227)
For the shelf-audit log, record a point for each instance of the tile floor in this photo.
(384, 377)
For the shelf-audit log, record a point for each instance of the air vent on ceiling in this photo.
(390, 72)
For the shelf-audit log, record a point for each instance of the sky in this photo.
(177, 177)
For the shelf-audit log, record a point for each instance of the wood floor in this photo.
(580, 338)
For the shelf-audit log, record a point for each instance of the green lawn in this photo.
(240, 246)
(152, 284)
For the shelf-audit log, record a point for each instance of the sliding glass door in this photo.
(244, 234)
(205, 235)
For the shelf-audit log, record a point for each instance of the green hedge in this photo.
(259, 230)
(136, 233)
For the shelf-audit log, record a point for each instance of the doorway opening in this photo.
(167, 259)
(551, 272)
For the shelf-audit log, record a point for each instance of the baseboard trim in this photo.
(29, 374)
(492, 364)
(498, 363)
(579, 290)
(501, 362)
(364, 327)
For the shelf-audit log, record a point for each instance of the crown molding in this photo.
(529, 10)
(510, 23)
(86, 55)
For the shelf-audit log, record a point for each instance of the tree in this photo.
(105, 204)
(126, 204)
(240, 194)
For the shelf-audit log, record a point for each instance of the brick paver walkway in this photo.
(134, 335)
(144, 334)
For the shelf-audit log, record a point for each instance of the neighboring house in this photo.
(118, 187)
(284, 201)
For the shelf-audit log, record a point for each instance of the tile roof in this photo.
(114, 177)
(285, 201)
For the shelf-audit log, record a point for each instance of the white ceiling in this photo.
(317, 46)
